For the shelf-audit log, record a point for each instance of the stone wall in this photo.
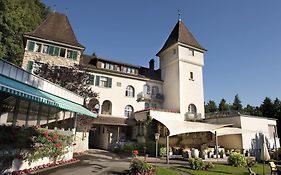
(53, 60)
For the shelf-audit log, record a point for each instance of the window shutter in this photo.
(31, 45)
(56, 51)
(51, 50)
(91, 79)
(74, 56)
(109, 82)
(29, 66)
(97, 80)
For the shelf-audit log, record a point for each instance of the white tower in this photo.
(181, 63)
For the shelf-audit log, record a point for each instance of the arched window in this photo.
(106, 107)
(129, 111)
(130, 92)
(94, 105)
(155, 90)
(192, 109)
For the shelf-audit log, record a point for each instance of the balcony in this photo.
(149, 97)
(192, 116)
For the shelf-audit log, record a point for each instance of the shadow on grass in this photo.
(180, 168)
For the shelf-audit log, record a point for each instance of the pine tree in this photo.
(210, 106)
(267, 108)
(223, 106)
(237, 106)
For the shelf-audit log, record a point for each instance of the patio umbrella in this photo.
(264, 153)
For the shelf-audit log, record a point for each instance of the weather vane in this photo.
(179, 14)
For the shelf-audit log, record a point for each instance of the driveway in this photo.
(94, 163)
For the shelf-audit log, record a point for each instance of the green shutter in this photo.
(51, 50)
(74, 56)
(109, 82)
(97, 80)
(31, 45)
(56, 51)
(91, 79)
(29, 66)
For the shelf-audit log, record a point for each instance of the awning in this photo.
(113, 121)
(176, 125)
(19, 89)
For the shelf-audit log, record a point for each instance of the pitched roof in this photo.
(182, 35)
(56, 27)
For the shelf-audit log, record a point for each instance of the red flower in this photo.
(46, 134)
(135, 152)
(55, 136)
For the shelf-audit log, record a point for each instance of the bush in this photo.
(196, 163)
(250, 161)
(208, 165)
(236, 159)
(140, 167)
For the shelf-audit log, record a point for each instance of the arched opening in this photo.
(106, 107)
(130, 92)
(129, 110)
(94, 105)
(192, 109)
(155, 90)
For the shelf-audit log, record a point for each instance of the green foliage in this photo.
(237, 106)
(236, 159)
(250, 161)
(223, 106)
(196, 163)
(210, 106)
(267, 108)
(16, 18)
(208, 165)
(29, 144)
(139, 166)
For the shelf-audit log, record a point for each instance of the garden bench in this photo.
(273, 168)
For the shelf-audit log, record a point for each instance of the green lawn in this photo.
(217, 170)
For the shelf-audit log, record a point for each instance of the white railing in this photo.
(16, 73)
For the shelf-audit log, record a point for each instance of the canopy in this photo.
(177, 126)
(231, 130)
(19, 89)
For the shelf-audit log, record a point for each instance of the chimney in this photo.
(151, 64)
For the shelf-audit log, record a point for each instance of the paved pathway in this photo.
(100, 162)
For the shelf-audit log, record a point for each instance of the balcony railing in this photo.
(150, 97)
(192, 116)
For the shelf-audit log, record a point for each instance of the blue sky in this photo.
(243, 38)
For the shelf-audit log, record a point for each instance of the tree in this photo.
(267, 108)
(71, 78)
(277, 108)
(16, 18)
(210, 106)
(223, 105)
(237, 106)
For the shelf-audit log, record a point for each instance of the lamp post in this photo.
(157, 135)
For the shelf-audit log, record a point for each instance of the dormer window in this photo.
(38, 47)
(62, 52)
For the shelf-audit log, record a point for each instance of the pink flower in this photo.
(135, 152)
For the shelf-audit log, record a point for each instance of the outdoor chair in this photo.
(273, 168)
(251, 172)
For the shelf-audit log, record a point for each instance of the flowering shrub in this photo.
(48, 144)
(196, 163)
(30, 144)
(139, 167)
(135, 152)
(250, 161)
(236, 159)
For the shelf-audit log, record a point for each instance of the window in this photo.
(155, 90)
(91, 79)
(153, 105)
(192, 109)
(146, 89)
(130, 91)
(191, 76)
(109, 66)
(119, 84)
(71, 54)
(102, 65)
(118, 68)
(45, 48)
(146, 105)
(103, 81)
(62, 52)
(129, 111)
(38, 47)
(30, 46)
(191, 52)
